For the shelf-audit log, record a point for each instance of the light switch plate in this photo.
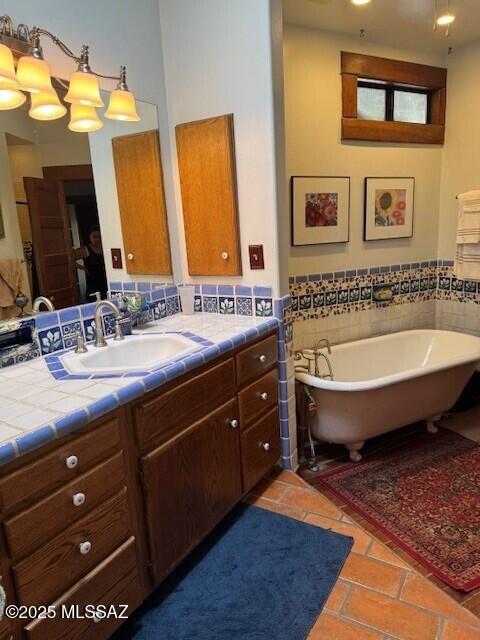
(255, 252)
(117, 259)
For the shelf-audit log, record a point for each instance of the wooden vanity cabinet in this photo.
(143, 486)
(191, 483)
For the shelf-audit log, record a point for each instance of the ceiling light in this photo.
(46, 106)
(122, 102)
(11, 99)
(83, 119)
(445, 19)
(358, 2)
(7, 70)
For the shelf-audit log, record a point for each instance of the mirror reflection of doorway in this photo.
(68, 265)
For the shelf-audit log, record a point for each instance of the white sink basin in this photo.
(134, 353)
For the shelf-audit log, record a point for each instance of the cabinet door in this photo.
(206, 163)
(138, 172)
(190, 483)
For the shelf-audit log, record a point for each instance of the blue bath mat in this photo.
(259, 575)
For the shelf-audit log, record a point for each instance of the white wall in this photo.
(461, 153)
(218, 60)
(314, 147)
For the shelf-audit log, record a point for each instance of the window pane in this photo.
(410, 107)
(371, 103)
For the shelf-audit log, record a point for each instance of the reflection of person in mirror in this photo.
(93, 264)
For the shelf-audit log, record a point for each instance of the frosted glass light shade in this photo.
(7, 69)
(84, 90)
(33, 75)
(46, 106)
(11, 99)
(84, 119)
(122, 106)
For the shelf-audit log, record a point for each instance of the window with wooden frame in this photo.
(392, 101)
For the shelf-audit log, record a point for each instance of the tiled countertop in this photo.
(40, 402)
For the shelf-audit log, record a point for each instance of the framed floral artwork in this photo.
(389, 207)
(320, 210)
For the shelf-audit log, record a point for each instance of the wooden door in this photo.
(206, 163)
(52, 244)
(190, 483)
(141, 199)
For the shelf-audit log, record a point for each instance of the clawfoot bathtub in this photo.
(390, 381)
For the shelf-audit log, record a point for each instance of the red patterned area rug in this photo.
(426, 498)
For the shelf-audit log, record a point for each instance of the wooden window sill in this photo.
(387, 131)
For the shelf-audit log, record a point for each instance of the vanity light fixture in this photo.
(84, 88)
(360, 2)
(33, 77)
(46, 106)
(84, 118)
(122, 102)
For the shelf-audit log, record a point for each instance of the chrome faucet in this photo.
(319, 354)
(42, 300)
(319, 343)
(99, 337)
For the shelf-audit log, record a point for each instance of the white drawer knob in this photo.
(233, 423)
(262, 358)
(225, 255)
(78, 499)
(265, 446)
(85, 547)
(71, 462)
(129, 256)
(264, 395)
(96, 619)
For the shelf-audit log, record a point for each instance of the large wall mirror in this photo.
(78, 196)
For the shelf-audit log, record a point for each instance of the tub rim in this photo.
(377, 383)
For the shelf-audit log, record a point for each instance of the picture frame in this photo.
(2, 227)
(320, 212)
(389, 207)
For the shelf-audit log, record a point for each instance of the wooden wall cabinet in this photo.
(206, 163)
(141, 199)
(156, 477)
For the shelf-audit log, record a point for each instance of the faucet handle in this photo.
(81, 347)
(118, 328)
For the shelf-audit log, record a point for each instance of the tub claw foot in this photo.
(432, 427)
(355, 456)
(354, 449)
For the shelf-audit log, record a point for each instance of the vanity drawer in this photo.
(50, 570)
(53, 470)
(114, 582)
(258, 398)
(31, 528)
(160, 419)
(257, 457)
(255, 360)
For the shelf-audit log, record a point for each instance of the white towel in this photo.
(467, 259)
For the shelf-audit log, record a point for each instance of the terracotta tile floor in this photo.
(379, 596)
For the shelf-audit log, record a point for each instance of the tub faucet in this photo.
(319, 343)
(99, 337)
(42, 300)
(319, 354)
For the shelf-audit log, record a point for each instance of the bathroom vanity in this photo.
(104, 514)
